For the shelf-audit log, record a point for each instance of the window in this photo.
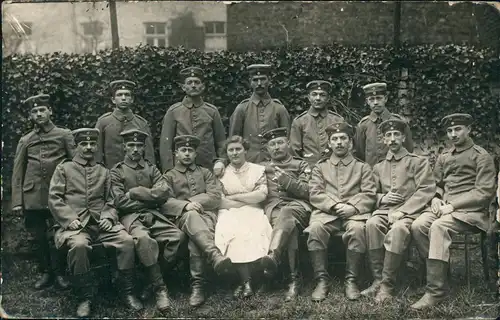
(156, 33)
(217, 28)
(92, 28)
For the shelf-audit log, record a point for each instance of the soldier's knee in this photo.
(437, 227)
(127, 241)
(418, 226)
(143, 239)
(400, 227)
(316, 229)
(372, 224)
(191, 215)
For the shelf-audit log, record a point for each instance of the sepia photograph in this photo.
(250, 159)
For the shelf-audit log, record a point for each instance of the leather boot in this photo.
(61, 282)
(376, 265)
(159, 287)
(44, 281)
(270, 262)
(353, 263)
(205, 241)
(392, 261)
(126, 278)
(294, 286)
(238, 291)
(436, 289)
(196, 266)
(83, 291)
(319, 264)
(247, 289)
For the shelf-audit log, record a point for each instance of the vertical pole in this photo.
(115, 39)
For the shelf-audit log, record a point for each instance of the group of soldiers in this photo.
(324, 177)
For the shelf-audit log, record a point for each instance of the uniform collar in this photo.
(287, 160)
(121, 115)
(385, 115)
(467, 145)
(315, 112)
(398, 156)
(134, 164)
(188, 102)
(256, 99)
(49, 126)
(84, 162)
(345, 160)
(182, 168)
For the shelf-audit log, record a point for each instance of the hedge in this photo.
(449, 78)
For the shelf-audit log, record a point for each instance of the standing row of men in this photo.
(343, 191)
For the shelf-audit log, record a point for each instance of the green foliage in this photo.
(446, 79)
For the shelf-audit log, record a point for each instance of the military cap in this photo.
(85, 134)
(187, 141)
(375, 89)
(41, 100)
(134, 135)
(392, 124)
(319, 85)
(338, 127)
(258, 69)
(456, 119)
(191, 72)
(121, 84)
(275, 133)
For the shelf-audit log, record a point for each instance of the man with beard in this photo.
(139, 189)
(342, 190)
(308, 138)
(193, 206)
(405, 186)
(465, 179)
(192, 116)
(81, 202)
(37, 155)
(111, 124)
(368, 140)
(258, 114)
(287, 206)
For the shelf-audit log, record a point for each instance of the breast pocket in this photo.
(28, 186)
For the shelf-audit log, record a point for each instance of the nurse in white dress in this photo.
(243, 231)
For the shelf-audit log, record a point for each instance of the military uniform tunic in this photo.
(465, 178)
(410, 176)
(186, 118)
(110, 125)
(139, 212)
(369, 142)
(335, 180)
(37, 155)
(253, 117)
(81, 189)
(192, 184)
(308, 138)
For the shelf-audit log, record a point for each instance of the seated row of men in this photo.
(137, 210)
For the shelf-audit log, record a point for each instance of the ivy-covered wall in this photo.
(449, 78)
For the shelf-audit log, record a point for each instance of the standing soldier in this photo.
(258, 114)
(81, 202)
(287, 205)
(368, 141)
(405, 186)
(192, 116)
(342, 190)
(194, 205)
(37, 155)
(308, 138)
(465, 179)
(139, 189)
(111, 124)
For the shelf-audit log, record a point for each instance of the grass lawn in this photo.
(21, 300)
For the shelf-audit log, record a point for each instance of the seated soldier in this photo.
(139, 189)
(465, 180)
(195, 200)
(405, 186)
(81, 203)
(287, 205)
(342, 190)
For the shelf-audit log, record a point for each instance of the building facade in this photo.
(84, 27)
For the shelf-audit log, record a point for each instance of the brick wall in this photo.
(256, 26)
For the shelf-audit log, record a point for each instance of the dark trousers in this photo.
(38, 222)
